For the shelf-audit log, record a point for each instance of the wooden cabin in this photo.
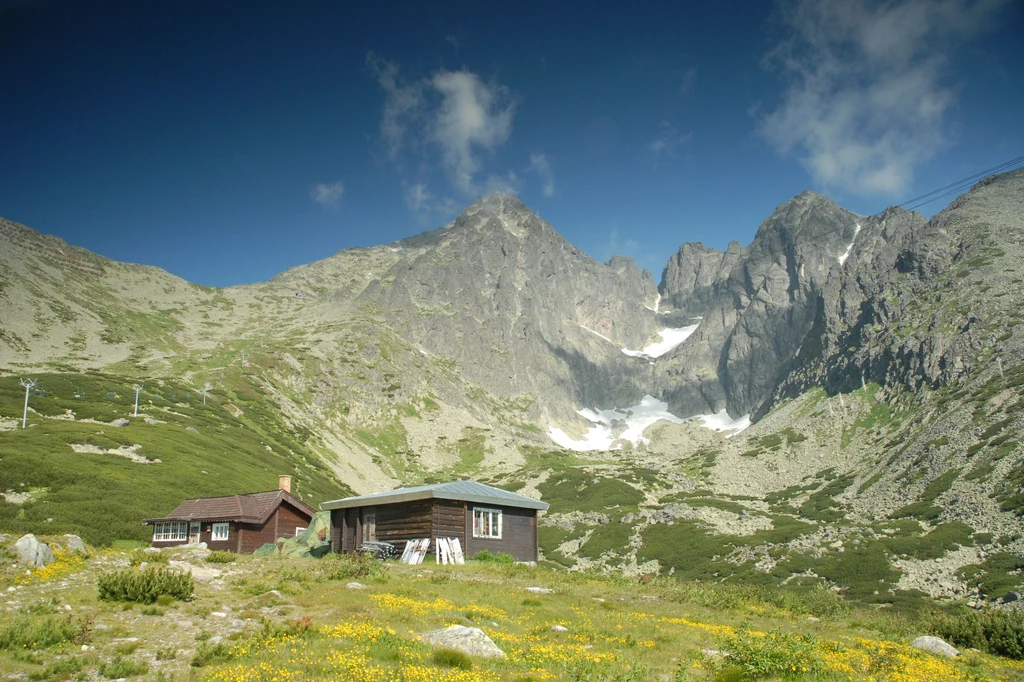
(234, 523)
(480, 516)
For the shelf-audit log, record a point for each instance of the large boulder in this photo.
(935, 645)
(31, 551)
(471, 641)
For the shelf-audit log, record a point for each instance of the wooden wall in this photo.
(398, 523)
(518, 535)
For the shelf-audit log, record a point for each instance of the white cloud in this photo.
(452, 120)
(668, 142)
(689, 79)
(402, 104)
(473, 117)
(868, 94)
(540, 165)
(418, 198)
(327, 194)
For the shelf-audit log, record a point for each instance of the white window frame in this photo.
(299, 530)
(170, 531)
(493, 517)
(220, 532)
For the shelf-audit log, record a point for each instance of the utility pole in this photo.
(138, 387)
(29, 384)
(206, 388)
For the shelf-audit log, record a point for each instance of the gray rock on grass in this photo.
(31, 551)
(935, 645)
(471, 641)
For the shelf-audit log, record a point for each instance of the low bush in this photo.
(777, 653)
(145, 586)
(119, 668)
(350, 566)
(42, 633)
(450, 658)
(139, 557)
(219, 557)
(61, 668)
(997, 632)
(208, 654)
(489, 557)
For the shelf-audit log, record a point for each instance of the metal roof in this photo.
(466, 491)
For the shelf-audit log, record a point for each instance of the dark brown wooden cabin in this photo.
(235, 523)
(480, 516)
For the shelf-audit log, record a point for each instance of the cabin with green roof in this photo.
(480, 516)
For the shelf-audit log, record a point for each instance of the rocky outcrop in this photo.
(31, 551)
(695, 278)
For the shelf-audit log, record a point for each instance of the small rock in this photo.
(935, 645)
(1011, 597)
(272, 594)
(355, 586)
(219, 614)
(67, 607)
(215, 640)
(120, 422)
(151, 550)
(238, 623)
(192, 429)
(714, 653)
(540, 590)
(74, 544)
(559, 628)
(598, 599)
(813, 619)
(471, 641)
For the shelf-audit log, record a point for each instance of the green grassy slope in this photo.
(203, 451)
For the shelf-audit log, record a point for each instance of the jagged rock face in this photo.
(696, 277)
(756, 315)
(507, 298)
(911, 307)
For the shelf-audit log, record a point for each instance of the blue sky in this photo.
(228, 143)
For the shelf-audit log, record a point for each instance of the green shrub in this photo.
(997, 632)
(123, 667)
(41, 633)
(145, 586)
(207, 654)
(450, 658)
(139, 557)
(61, 668)
(351, 566)
(221, 557)
(778, 653)
(489, 557)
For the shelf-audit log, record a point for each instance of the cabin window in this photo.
(170, 531)
(299, 530)
(486, 523)
(220, 531)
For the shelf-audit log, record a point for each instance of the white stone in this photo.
(540, 590)
(559, 628)
(935, 645)
(471, 641)
(219, 614)
(355, 586)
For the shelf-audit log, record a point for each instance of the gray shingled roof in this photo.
(466, 491)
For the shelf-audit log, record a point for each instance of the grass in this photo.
(203, 451)
(651, 628)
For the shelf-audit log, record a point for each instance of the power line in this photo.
(934, 195)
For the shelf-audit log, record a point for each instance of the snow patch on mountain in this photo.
(670, 338)
(846, 254)
(721, 421)
(611, 427)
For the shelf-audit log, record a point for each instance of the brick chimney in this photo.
(284, 483)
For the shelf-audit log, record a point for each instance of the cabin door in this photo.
(369, 524)
(193, 533)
